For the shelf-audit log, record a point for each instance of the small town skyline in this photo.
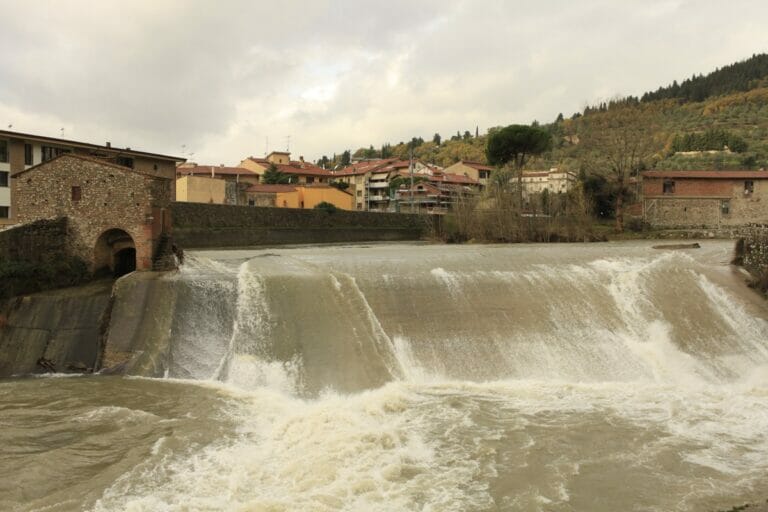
(213, 86)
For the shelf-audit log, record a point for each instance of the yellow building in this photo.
(298, 196)
(475, 170)
(299, 172)
(200, 189)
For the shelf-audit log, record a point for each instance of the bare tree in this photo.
(622, 140)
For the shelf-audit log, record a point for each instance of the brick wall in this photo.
(211, 225)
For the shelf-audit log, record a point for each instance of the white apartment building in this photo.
(554, 181)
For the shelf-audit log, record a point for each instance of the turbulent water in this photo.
(596, 377)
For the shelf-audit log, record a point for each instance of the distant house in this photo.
(553, 181)
(477, 171)
(216, 184)
(439, 194)
(704, 199)
(300, 172)
(298, 196)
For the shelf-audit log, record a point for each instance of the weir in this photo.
(354, 318)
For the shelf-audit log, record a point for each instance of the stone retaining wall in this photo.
(198, 225)
(41, 241)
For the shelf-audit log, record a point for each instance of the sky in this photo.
(217, 81)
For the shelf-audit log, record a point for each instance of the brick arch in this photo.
(115, 252)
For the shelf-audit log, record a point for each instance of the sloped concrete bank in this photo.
(117, 326)
(57, 331)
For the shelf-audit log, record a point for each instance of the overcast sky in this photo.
(216, 78)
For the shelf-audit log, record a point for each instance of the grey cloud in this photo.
(221, 76)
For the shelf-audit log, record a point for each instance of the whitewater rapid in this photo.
(594, 377)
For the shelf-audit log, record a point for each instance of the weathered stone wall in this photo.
(699, 204)
(210, 225)
(111, 197)
(40, 241)
(755, 250)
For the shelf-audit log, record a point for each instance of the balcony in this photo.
(378, 184)
(378, 198)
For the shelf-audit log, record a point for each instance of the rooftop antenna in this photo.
(266, 147)
(10, 126)
(288, 143)
(62, 132)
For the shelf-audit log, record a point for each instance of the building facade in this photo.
(216, 184)
(117, 216)
(479, 172)
(21, 151)
(704, 199)
(298, 196)
(553, 181)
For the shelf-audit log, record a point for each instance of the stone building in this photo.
(553, 181)
(119, 217)
(704, 199)
(20, 151)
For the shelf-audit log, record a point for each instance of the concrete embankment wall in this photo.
(210, 225)
(60, 330)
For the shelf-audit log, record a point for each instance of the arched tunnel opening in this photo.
(114, 254)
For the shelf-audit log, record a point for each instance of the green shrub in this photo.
(325, 205)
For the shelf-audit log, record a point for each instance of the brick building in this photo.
(20, 151)
(704, 199)
(118, 216)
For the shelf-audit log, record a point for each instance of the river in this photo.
(594, 377)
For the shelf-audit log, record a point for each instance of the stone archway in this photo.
(115, 253)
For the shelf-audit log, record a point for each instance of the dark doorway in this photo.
(125, 261)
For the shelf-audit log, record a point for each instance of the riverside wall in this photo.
(754, 252)
(36, 242)
(197, 225)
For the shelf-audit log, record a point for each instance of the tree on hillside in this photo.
(467, 135)
(513, 145)
(273, 176)
(346, 158)
(622, 140)
(436, 139)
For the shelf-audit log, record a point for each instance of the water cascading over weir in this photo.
(355, 318)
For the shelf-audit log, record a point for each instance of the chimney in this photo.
(301, 159)
(109, 144)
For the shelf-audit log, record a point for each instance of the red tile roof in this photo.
(733, 175)
(297, 168)
(453, 178)
(477, 165)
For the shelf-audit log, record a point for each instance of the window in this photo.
(725, 206)
(125, 161)
(310, 179)
(77, 193)
(669, 187)
(3, 212)
(3, 178)
(3, 151)
(251, 202)
(749, 186)
(50, 152)
(27, 154)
